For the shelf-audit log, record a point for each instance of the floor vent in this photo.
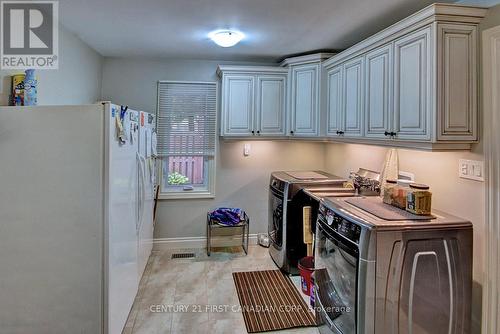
(182, 255)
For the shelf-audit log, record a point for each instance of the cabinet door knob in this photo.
(258, 132)
(291, 132)
(340, 133)
(393, 134)
(387, 133)
(253, 132)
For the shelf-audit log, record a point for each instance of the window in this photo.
(187, 138)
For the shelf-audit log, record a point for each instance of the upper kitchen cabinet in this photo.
(352, 113)
(306, 96)
(270, 110)
(412, 86)
(344, 105)
(457, 81)
(378, 92)
(334, 101)
(418, 83)
(304, 100)
(238, 104)
(253, 101)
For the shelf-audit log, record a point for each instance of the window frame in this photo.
(209, 191)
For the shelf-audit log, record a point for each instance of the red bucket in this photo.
(306, 268)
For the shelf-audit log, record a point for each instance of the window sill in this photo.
(186, 195)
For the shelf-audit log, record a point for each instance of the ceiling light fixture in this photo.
(226, 38)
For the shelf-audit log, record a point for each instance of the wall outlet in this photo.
(471, 169)
(246, 150)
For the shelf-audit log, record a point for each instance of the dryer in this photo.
(286, 200)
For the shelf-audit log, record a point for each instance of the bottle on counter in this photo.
(419, 199)
(17, 90)
(30, 88)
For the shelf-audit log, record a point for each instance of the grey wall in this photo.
(133, 81)
(240, 181)
(77, 81)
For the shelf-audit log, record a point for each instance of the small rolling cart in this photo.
(227, 218)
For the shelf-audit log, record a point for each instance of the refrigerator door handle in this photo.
(142, 186)
(142, 195)
(138, 207)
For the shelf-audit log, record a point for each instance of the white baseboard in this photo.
(199, 242)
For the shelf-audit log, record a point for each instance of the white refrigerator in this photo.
(147, 182)
(72, 206)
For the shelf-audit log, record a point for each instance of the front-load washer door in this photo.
(335, 279)
(276, 217)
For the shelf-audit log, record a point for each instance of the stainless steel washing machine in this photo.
(374, 275)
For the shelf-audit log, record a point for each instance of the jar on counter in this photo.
(418, 199)
(400, 192)
(388, 196)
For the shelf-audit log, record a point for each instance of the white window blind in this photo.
(187, 115)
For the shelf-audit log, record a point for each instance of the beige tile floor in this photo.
(169, 286)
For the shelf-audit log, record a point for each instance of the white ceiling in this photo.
(273, 28)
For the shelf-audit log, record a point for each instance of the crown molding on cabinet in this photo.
(250, 69)
(306, 59)
(432, 13)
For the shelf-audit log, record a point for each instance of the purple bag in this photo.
(227, 216)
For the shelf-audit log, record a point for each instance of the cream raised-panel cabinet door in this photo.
(353, 98)
(270, 107)
(238, 105)
(304, 103)
(378, 92)
(457, 82)
(334, 101)
(412, 86)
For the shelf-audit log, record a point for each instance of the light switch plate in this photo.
(406, 176)
(471, 169)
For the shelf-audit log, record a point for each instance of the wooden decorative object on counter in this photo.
(390, 169)
(308, 236)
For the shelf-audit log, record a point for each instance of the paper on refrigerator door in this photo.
(152, 171)
(153, 144)
(134, 129)
(120, 131)
(127, 128)
(148, 142)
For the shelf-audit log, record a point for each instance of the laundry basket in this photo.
(228, 218)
